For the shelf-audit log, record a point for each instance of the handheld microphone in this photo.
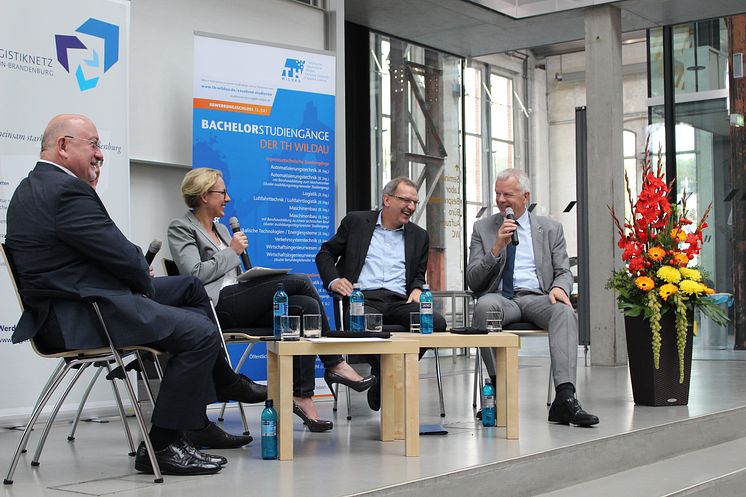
(236, 227)
(509, 214)
(153, 249)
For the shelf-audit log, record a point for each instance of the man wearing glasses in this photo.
(387, 255)
(62, 238)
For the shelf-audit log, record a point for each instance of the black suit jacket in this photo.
(62, 238)
(343, 256)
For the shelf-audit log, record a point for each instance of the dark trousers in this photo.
(189, 379)
(395, 310)
(249, 305)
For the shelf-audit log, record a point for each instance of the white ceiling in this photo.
(472, 27)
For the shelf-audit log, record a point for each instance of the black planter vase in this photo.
(657, 387)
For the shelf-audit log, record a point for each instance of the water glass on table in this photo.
(414, 322)
(290, 327)
(495, 320)
(374, 322)
(312, 325)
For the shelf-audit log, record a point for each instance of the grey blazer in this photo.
(483, 273)
(196, 254)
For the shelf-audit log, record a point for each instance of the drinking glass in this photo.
(312, 325)
(495, 320)
(290, 327)
(374, 322)
(414, 322)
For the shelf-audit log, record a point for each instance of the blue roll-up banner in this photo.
(264, 116)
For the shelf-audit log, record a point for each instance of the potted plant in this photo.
(659, 287)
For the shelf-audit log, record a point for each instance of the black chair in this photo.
(78, 360)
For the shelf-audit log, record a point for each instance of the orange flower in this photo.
(680, 258)
(709, 291)
(656, 253)
(644, 283)
(678, 235)
(667, 290)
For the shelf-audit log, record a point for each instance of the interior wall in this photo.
(565, 90)
(161, 89)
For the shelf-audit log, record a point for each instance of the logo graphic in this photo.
(293, 70)
(88, 76)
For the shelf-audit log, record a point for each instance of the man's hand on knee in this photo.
(557, 294)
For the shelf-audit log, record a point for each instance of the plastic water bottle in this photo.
(269, 431)
(488, 404)
(357, 309)
(426, 310)
(280, 308)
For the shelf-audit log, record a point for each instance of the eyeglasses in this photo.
(222, 192)
(407, 200)
(92, 142)
(100, 164)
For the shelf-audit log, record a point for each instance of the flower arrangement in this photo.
(659, 242)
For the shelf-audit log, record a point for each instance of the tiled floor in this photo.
(351, 459)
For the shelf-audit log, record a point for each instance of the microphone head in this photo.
(235, 225)
(509, 213)
(155, 246)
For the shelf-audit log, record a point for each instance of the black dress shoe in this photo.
(213, 437)
(478, 415)
(243, 390)
(359, 386)
(179, 458)
(204, 456)
(314, 425)
(569, 411)
(374, 397)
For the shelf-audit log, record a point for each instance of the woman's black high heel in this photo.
(314, 425)
(359, 386)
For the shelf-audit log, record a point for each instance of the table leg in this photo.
(412, 403)
(284, 407)
(501, 389)
(387, 397)
(399, 407)
(511, 375)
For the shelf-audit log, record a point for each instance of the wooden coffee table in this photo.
(400, 354)
(506, 347)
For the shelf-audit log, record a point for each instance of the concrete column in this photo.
(335, 42)
(603, 49)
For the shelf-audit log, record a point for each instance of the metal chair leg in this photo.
(349, 404)
(145, 379)
(477, 375)
(244, 356)
(83, 400)
(440, 384)
(549, 387)
(42, 401)
(45, 432)
(59, 372)
(122, 415)
(157, 476)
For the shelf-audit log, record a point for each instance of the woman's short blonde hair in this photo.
(197, 182)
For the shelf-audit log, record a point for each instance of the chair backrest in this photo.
(170, 267)
(8, 258)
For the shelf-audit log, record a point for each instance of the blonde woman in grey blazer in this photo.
(206, 249)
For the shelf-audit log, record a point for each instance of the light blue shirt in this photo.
(384, 265)
(524, 272)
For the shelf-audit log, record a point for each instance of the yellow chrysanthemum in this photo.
(644, 283)
(680, 258)
(678, 235)
(690, 287)
(667, 290)
(690, 274)
(656, 253)
(669, 274)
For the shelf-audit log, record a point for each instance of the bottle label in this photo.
(357, 308)
(280, 309)
(426, 307)
(488, 402)
(269, 428)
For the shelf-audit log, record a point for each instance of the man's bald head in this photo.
(71, 140)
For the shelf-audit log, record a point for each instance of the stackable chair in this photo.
(239, 336)
(78, 360)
